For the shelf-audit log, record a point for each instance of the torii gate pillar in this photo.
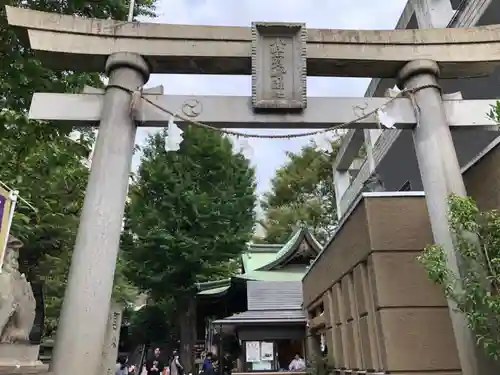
(84, 314)
(441, 176)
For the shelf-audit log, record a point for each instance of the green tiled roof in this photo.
(207, 285)
(291, 247)
(258, 255)
(290, 244)
(261, 260)
(210, 292)
(295, 275)
(252, 261)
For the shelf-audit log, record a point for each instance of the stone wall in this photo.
(370, 296)
(381, 313)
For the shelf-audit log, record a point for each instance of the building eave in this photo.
(259, 321)
(293, 244)
(213, 284)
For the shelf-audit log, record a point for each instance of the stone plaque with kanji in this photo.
(279, 70)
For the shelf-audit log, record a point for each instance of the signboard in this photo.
(5, 211)
(252, 351)
(267, 351)
(279, 66)
(262, 366)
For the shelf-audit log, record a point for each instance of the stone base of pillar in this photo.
(20, 358)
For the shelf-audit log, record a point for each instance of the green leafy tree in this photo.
(302, 191)
(477, 292)
(40, 159)
(151, 324)
(190, 214)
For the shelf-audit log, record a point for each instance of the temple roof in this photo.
(213, 288)
(288, 275)
(301, 243)
(270, 302)
(259, 255)
(271, 262)
(274, 295)
(264, 316)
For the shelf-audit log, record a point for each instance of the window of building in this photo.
(260, 356)
(272, 355)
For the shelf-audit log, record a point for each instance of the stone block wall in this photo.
(381, 313)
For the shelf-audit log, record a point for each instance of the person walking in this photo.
(208, 367)
(155, 364)
(176, 367)
(121, 366)
(227, 364)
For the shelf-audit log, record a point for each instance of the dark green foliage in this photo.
(190, 213)
(39, 159)
(476, 291)
(150, 325)
(302, 192)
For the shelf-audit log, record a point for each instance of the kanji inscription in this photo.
(112, 339)
(279, 72)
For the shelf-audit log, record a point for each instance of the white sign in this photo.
(266, 351)
(262, 366)
(253, 351)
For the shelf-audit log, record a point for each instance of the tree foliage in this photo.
(477, 290)
(302, 191)
(151, 324)
(41, 160)
(190, 213)
(189, 216)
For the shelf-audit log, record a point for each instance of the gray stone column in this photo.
(313, 346)
(84, 315)
(441, 176)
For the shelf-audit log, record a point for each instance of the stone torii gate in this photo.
(279, 57)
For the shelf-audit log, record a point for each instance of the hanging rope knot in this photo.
(410, 94)
(135, 104)
(136, 96)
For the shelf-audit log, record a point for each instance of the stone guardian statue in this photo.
(17, 303)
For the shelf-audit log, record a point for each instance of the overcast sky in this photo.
(335, 14)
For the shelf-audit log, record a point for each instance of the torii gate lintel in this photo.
(235, 112)
(81, 44)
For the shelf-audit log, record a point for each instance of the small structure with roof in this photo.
(261, 307)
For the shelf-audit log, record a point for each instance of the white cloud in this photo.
(337, 14)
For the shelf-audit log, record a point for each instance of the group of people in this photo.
(154, 365)
(212, 367)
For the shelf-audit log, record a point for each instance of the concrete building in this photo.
(366, 294)
(391, 153)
